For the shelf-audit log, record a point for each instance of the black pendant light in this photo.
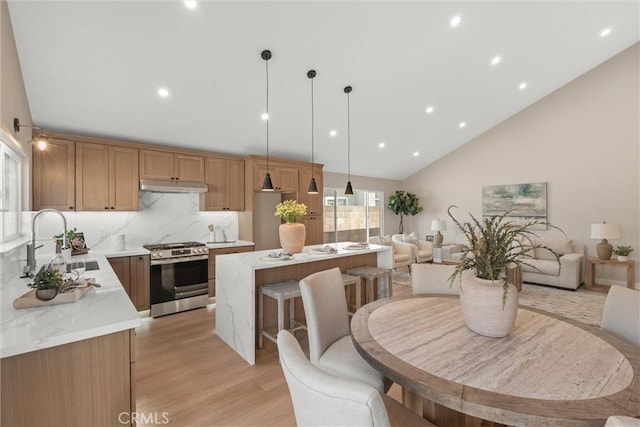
(313, 188)
(267, 185)
(349, 189)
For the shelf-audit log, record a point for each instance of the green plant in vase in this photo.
(623, 252)
(404, 203)
(47, 283)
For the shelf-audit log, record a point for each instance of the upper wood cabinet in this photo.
(225, 180)
(284, 178)
(106, 177)
(167, 165)
(313, 201)
(53, 176)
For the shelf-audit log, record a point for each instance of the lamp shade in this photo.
(605, 230)
(438, 225)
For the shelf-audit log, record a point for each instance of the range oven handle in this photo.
(179, 259)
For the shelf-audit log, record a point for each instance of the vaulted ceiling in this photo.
(95, 68)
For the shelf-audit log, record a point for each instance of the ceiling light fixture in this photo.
(267, 185)
(191, 4)
(264, 116)
(522, 86)
(416, 154)
(41, 141)
(333, 133)
(381, 145)
(349, 189)
(495, 60)
(605, 32)
(163, 92)
(429, 110)
(313, 188)
(455, 21)
(462, 124)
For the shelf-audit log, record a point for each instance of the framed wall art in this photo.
(524, 202)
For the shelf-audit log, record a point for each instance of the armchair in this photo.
(421, 250)
(402, 255)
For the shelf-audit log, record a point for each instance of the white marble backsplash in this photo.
(161, 218)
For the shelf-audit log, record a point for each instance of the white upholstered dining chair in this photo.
(433, 279)
(330, 346)
(322, 399)
(621, 313)
(622, 421)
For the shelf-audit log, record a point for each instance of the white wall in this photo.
(583, 140)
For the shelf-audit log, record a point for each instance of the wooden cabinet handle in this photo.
(71, 207)
(106, 207)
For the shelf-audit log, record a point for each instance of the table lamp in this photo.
(604, 231)
(438, 225)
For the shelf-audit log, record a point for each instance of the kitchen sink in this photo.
(89, 265)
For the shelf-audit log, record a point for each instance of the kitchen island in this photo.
(68, 364)
(238, 277)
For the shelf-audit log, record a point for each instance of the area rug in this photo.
(581, 305)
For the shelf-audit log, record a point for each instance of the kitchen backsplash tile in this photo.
(163, 217)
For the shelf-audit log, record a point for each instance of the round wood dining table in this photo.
(550, 371)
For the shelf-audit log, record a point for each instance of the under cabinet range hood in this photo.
(172, 186)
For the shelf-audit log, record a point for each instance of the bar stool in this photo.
(350, 280)
(371, 274)
(281, 292)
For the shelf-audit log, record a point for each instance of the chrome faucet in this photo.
(30, 268)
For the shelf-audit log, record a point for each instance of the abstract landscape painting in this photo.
(525, 201)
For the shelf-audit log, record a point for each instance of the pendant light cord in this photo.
(266, 63)
(312, 128)
(348, 139)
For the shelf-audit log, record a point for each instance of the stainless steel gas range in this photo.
(179, 277)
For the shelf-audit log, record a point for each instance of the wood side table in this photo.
(591, 273)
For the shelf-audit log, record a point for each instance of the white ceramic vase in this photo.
(292, 236)
(482, 306)
(623, 258)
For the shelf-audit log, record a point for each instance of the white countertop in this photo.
(237, 243)
(256, 262)
(101, 311)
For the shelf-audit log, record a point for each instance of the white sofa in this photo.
(569, 274)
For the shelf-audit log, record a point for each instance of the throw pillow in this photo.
(559, 246)
(410, 238)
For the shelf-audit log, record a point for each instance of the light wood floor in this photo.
(184, 370)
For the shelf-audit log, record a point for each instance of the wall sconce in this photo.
(41, 141)
(605, 231)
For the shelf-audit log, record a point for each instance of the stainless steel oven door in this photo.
(179, 286)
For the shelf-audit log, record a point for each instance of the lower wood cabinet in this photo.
(84, 383)
(314, 230)
(212, 262)
(133, 273)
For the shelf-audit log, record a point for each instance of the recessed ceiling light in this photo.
(191, 4)
(522, 86)
(416, 154)
(264, 116)
(163, 92)
(495, 60)
(381, 145)
(605, 32)
(455, 21)
(429, 110)
(462, 124)
(333, 132)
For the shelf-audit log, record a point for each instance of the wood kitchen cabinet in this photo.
(225, 180)
(284, 178)
(106, 177)
(133, 273)
(212, 262)
(314, 229)
(168, 165)
(53, 175)
(314, 202)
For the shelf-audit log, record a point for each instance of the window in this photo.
(351, 218)
(10, 203)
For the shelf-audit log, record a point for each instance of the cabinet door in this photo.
(54, 176)
(288, 179)
(216, 179)
(235, 185)
(156, 164)
(121, 266)
(314, 230)
(189, 168)
(313, 201)
(123, 182)
(92, 177)
(140, 285)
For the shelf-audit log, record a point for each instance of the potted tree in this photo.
(292, 232)
(623, 252)
(494, 245)
(404, 203)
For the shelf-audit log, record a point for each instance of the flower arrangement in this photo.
(290, 210)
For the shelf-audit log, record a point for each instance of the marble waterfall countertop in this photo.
(234, 244)
(236, 285)
(101, 311)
